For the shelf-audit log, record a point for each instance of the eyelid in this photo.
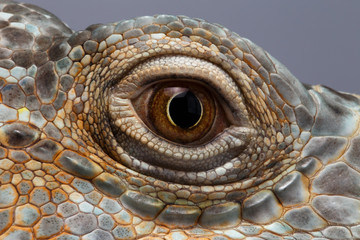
(161, 154)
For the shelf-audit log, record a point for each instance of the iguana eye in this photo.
(181, 111)
(173, 118)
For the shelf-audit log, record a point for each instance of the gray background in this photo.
(317, 40)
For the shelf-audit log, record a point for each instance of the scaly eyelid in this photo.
(164, 155)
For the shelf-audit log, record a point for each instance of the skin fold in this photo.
(87, 153)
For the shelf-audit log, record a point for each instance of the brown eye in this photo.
(174, 117)
(181, 111)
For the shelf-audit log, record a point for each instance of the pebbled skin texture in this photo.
(74, 157)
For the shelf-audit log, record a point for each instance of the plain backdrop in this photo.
(319, 41)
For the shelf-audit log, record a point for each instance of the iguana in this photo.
(166, 127)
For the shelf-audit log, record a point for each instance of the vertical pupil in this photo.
(185, 109)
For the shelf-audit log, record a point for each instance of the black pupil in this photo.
(185, 109)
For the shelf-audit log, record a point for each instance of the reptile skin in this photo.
(80, 158)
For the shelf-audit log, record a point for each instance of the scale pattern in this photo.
(63, 174)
